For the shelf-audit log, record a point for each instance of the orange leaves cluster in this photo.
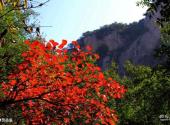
(53, 85)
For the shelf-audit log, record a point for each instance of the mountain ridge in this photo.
(120, 42)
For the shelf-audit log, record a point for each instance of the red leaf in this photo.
(64, 42)
(53, 43)
(61, 81)
(13, 82)
(101, 76)
(89, 48)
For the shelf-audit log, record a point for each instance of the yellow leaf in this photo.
(17, 2)
(8, 1)
(25, 4)
(1, 4)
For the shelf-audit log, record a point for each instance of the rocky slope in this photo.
(121, 42)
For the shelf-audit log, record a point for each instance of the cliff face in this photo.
(121, 42)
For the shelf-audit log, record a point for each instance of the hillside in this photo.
(121, 42)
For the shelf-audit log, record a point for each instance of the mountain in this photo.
(120, 42)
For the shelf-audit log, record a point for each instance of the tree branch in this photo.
(19, 8)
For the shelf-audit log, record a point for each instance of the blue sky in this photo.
(70, 18)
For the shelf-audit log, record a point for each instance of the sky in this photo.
(69, 19)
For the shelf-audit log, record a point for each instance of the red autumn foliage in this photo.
(60, 87)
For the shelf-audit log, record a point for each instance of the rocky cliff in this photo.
(121, 42)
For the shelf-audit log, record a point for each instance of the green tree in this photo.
(15, 27)
(12, 26)
(15, 3)
(13, 32)
(15, 16)
(10, 55)
(163, 8)
(154, 6)
(147, 97)
(148, 88)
